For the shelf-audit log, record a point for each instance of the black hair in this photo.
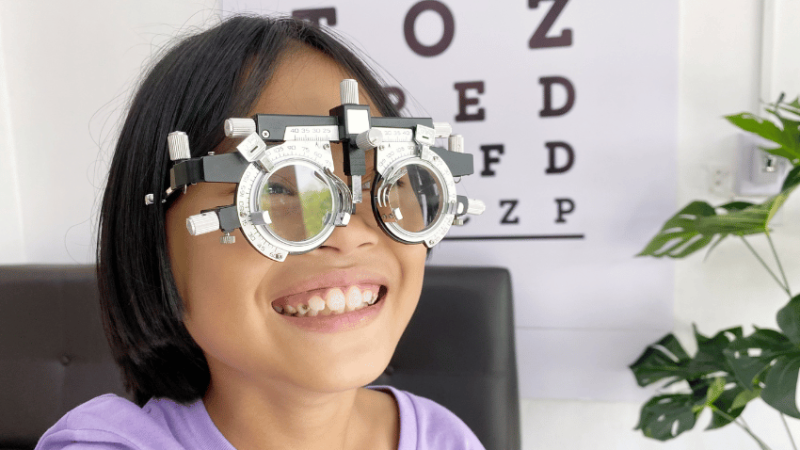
(203, 80)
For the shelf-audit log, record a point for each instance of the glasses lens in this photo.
(298, 201)
(414, 195)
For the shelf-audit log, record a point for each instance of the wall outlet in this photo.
(720, 179)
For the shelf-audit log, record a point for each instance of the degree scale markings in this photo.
(316, 133)
(390, 152)
(396, 134)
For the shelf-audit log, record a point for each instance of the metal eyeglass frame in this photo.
(270, 142)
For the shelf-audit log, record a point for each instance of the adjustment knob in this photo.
(456, 143)
(202, 223)
(475, 207)
(442, 129)
(348, 91)
(178, 143)
(239, 127)
(369, 139)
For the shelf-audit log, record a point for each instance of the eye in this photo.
(279, 189)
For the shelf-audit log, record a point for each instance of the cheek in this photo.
(216, 282)
(225, 309)
(412, 266)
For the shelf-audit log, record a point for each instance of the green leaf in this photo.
(679, 236)
(760, 126)
(663, 359)
(792, 107)
(744, 397)
(781, 385)
(791, 150)
(750, 356)
(782, 152)
(792, 179)
(787, 137)
(709, 357)
(789, 320)
(726, 403)
(719, 395)
(736, 206)
(790, 131)
(667, 416)
(751, 220)
(715, 390)
(777, 201)
(730, 207)
(695, 226)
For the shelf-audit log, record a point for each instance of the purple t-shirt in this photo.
(112, 422)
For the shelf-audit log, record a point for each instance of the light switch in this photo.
(758, 173)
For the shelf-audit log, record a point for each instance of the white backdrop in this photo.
(82, 70)
(584, 306)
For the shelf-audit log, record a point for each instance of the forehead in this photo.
(305, 81)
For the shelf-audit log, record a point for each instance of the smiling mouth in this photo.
(336, 304)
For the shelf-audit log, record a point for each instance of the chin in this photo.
(349, 371)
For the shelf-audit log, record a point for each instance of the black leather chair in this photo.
(458, 350)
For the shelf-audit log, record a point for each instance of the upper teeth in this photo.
(336, 302)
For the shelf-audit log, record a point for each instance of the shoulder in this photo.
(430, 425)
(110, 421)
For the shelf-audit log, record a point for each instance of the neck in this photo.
(282, 415)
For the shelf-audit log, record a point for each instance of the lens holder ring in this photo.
(315, 155)
(405, 155)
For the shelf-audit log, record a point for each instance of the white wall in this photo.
(68, 67)
(59, 88)
(12, 244)
(720, 57)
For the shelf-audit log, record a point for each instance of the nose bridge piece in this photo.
(355, 229)
(345, 200)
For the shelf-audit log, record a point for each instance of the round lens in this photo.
(298, 200)
(413, 196)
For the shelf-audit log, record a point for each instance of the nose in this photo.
(362, 231)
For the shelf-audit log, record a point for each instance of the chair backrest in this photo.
(53, 351)
(458, 350)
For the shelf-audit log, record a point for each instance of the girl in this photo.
(200, 329)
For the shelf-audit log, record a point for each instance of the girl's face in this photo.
(229, 290)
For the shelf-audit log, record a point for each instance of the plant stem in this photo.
(765, 265)
(788, 431)
(780, 266)
(747, 430)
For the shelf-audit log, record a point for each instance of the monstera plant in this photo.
(729, 369)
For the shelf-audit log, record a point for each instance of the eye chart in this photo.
(569, 109)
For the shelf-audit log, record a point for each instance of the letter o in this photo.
(449, 28)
